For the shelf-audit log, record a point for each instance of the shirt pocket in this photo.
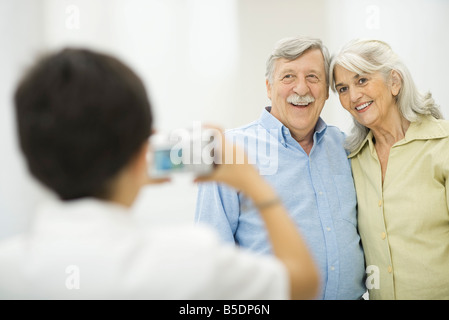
(346, 197)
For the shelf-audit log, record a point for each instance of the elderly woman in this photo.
(399, 150)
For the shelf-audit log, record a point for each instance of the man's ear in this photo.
(268, 85)
(396, 82)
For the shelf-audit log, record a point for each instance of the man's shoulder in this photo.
(240, 129)
(248, 129)
(335, 134)
(334, 139)
(333, 129)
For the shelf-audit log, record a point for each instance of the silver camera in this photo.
(182, 151)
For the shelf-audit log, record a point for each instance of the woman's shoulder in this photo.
(443, 123)
(430, 127)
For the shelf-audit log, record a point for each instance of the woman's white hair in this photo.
(291, 49)
(370, 56)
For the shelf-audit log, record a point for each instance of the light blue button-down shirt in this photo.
(317, 190)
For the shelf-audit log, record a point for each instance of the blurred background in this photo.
(201, 60)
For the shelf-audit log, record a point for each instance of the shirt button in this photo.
(332, 268)
(320, 193)
(328, 229)
(380, 203)
(383, 235)
(390, 269)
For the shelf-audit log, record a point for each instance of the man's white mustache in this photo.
(297, 99)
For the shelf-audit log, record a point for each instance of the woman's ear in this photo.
(396, 82)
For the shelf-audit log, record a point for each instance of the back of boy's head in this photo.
(81, 117)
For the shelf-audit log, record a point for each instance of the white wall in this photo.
(202, 60)
(21, 34)
(416, 30)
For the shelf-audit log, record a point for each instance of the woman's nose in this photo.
(355, 94)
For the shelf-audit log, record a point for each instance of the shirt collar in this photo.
(269, 122)
(424, 129)
(320, 129)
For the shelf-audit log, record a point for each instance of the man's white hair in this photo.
(291, 49)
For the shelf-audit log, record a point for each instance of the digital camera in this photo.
(182, 151)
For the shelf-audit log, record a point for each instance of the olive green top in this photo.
(404, 223)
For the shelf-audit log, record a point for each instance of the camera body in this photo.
(182, 151)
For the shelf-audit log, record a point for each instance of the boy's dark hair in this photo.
(81, 117)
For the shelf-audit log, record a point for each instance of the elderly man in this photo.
(305, 161)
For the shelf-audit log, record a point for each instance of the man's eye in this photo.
(288, 78)
(312, 78)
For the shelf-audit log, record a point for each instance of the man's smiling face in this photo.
(298, 92)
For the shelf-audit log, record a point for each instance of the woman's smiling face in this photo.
(368, 97)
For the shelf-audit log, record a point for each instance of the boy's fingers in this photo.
(157, 180)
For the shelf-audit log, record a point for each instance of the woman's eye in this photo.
(362, 80)
(342, 89)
